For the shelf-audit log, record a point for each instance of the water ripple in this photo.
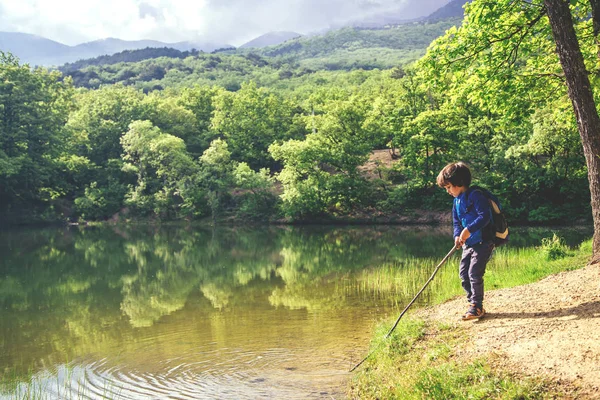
(257, 376)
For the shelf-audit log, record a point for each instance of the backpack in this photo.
(497, 229)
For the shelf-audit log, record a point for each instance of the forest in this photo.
(282, 67)
(250, 136)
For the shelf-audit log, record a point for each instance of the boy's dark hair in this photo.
(458, 174)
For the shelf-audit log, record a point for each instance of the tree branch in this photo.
(513, 54)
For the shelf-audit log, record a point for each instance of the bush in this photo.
(256, 207)
(554, 248)
(100, 202)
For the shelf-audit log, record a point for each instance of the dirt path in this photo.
(549, 328)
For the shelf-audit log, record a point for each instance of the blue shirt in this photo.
(472, 211)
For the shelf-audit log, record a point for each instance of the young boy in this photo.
(471, 212)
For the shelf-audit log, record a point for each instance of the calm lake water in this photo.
(187, 313)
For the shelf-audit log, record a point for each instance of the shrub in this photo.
(554, 248)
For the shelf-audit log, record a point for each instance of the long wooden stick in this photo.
(408, 306)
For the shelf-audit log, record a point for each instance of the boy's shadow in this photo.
(582, 311)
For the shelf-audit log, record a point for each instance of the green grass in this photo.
(476, 380)
(508, 268)
(421, 361)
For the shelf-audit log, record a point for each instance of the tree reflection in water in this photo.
(191, 296)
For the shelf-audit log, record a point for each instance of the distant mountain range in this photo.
(36, 50)
(271, 39)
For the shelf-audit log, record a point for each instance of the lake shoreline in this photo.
(414, 218)
(535, 341)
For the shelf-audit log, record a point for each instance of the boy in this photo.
(471, 212)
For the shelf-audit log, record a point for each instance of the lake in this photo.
(146, 312)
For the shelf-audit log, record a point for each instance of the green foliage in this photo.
(216, 174)
(308, 112)
(409, 36)
(33, 108)
(554, 248)
(250, 120)
(200, 100)
(257, 199)
(320, 173)
(126, 56)
(93, 204)
(586, 247)
(163, 168)
(344, 49)
(102, 117)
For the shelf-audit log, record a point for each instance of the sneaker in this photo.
(473, 312)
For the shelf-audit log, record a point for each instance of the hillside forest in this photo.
(282, 133)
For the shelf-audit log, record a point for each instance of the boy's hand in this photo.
(457, 242)
(464, 235)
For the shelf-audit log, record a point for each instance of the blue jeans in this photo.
(472, 268)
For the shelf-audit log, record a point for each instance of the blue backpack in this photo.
(497, 229)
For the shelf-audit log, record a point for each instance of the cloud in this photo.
(223, 21)
(73, 21)
(242, 20)
(148, 10)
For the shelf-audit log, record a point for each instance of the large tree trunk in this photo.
(595, 16)
(595, 4)
(580, 93)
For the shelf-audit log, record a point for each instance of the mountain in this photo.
(207, 47)
(287, 65)
(111, 46)
(127, 56)
(271, 39)
(33, 49)
(408, 11)
(397, 43)
(37, 50)
(453, 9)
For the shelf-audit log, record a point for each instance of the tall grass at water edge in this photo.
(65, 383)
(508, 267)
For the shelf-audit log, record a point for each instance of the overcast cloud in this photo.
(224, 21)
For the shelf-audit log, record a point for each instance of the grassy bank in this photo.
(422, 360)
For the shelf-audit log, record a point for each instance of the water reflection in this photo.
(146, 312)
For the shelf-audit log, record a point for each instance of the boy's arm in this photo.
(455, 221)
(481, 205)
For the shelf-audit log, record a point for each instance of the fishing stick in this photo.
(408, 306)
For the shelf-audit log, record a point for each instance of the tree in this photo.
(34, 105)
(427, 140)
(249, 121)
(200, 101)
(216, 174)
(320, 173)
(504, 57)
(400, 99)
(102, 117)
(162, 164)
(166, 113)
(582, 97)
(256, 199)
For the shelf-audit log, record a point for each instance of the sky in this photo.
(231, 22)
